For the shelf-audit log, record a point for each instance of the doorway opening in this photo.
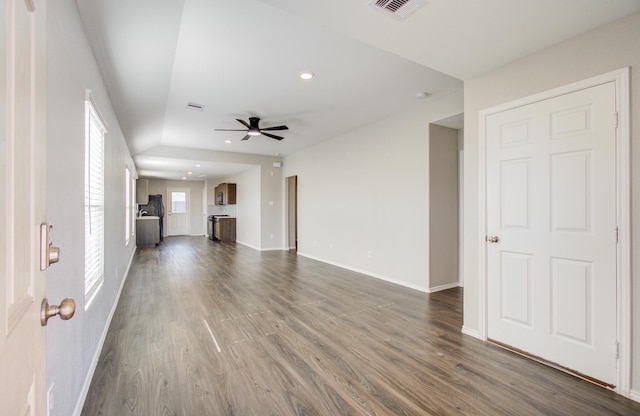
(446, 139)
(292, 213)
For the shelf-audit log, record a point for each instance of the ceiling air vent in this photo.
(194, 106)
(400, 9)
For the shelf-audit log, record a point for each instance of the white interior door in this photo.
(22, 186)
(178, 212)
(551, 206)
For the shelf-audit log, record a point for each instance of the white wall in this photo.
(443, 207)
(367, 192)
(272, 208)
(196, 215)
(72, 346)
(248, 228)
(608, 48)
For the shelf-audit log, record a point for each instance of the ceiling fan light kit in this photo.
(307, 75)
(253, 129)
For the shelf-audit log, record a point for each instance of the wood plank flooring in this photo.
(210, 328)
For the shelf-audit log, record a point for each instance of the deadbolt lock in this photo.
(48, 253)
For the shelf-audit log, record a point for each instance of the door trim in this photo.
(623, 202)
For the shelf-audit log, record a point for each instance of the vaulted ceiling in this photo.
(242, 58)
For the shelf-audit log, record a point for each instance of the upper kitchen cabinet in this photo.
(226, 194)
(142, 191)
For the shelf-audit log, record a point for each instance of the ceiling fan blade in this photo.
(230, 130)
(275, 128)
(245, 137)
(244, 123)
(273, 136)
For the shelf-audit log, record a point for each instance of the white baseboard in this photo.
(634, 395)
(443, 287)
(247, 245)
(94, 363)
(471, 332)
(261, 249)
(377, 276)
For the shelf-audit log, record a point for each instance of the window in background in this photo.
(179, 202)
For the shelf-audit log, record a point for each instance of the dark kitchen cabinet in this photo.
(224, 228)
(147, 232)
(225, 194)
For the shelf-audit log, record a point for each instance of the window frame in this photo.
(94, 199)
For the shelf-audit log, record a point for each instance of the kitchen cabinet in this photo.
(224, 228)
(225, 194)
(147, 231)
(142, 191)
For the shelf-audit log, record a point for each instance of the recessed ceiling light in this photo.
(197, 165)
(184, 179)
(307, 75)
(189, 173)
(227, 141)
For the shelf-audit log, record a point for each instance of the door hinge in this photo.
(615, 120)
(616, 350)
(617, 230)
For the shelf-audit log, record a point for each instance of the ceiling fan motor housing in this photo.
(254, 129)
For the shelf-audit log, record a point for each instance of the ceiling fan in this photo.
(253, 129)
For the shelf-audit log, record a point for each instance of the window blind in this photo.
(127, 210)
(93, 202)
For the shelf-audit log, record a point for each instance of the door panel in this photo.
(516, 291)
(570, 184)
(551, 201)
(22, 184)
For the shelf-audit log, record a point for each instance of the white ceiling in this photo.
(242, 58)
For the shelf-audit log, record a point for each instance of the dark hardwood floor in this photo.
(209, 328)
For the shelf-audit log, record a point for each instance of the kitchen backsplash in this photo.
(221, 210)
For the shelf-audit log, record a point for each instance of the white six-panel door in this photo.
(22, 186)
(551, 206)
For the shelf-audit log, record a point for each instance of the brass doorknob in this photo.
(66, 310)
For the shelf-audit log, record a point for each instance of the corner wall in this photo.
(443, 208)
(605, 49)
(248, 202)
(363, 198)
(73, 346)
